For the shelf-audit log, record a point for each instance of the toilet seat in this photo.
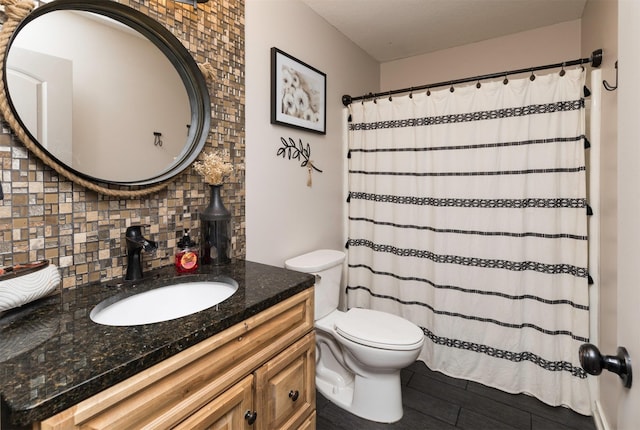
(378, 329)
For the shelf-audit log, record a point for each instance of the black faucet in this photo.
(135, 244)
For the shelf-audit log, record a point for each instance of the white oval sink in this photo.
(163, 303)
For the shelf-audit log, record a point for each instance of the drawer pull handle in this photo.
(293, 395)
(251, 417)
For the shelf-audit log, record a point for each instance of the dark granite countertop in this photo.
(53, 356)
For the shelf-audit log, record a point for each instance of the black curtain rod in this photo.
(595, 60)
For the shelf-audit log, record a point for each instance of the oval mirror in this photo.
(115, 98)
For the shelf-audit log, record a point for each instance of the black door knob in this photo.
(592, 361)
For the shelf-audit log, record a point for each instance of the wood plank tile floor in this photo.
(433, 401)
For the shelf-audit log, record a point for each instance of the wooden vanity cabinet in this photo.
(258, 374)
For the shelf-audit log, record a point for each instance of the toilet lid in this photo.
(315, 261)
(379, 329)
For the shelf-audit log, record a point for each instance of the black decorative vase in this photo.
(215, 231)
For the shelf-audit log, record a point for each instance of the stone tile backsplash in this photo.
(43, 215)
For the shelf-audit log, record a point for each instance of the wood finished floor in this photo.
(434, 401)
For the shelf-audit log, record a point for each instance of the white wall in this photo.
(628, 291)
(599, 30)
(546, 45)
(285, 217)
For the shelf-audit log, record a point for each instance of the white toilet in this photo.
(359, 353)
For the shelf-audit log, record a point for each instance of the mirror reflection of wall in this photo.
(42, 91)
(124, 90)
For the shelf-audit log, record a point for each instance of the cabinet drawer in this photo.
(227, 411)
(309, 423)
(285, 387)
(172, 390)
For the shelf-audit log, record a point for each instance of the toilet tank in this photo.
(326, 264)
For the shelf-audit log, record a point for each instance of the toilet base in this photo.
(376, 399)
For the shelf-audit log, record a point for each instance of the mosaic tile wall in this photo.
(43, 215)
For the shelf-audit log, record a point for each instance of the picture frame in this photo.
(298, 94)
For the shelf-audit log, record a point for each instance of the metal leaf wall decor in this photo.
(298, 151)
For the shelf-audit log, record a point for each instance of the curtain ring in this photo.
(451, 89)
(562, 72)
(411, 92)
(478, 84)
(428, 92)
(390, 95)
(506, 80)
(532, 77)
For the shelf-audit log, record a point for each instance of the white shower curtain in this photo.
(468, 216)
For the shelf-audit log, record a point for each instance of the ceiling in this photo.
(393, 29)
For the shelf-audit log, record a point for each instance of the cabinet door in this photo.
(228, 411)
(309, 423)
(285, 387)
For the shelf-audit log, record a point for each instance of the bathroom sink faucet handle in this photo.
(150, 246)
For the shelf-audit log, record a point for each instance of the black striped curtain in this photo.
(468, 216)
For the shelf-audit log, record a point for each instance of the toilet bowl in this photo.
(359, 353)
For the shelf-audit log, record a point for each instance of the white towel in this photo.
(15, 292)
